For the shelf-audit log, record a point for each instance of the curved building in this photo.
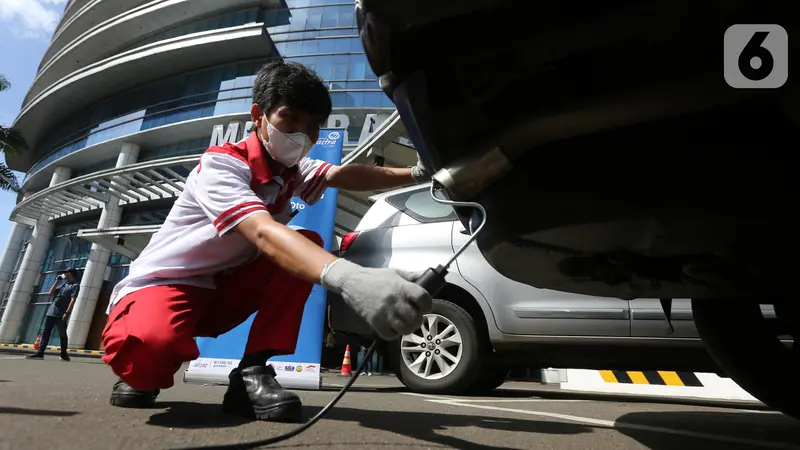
(126, 98)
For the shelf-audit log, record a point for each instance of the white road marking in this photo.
(616, 425)
(431, 397)
(494, 400)
(12, 357)
(363, 386)
(517, 400)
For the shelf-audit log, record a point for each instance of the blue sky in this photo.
(26, 27)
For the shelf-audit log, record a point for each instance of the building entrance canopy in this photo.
(127, 241)
(130, 184)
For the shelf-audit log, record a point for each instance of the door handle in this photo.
(464, 231)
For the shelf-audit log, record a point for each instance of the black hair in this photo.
(294, 85)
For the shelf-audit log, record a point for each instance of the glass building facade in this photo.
(320, 34)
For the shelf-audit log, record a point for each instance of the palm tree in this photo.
(11, 143)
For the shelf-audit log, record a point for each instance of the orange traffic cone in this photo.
(346, 369)
(38, 341)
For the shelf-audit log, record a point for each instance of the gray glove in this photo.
(419, 172)
(386, 298)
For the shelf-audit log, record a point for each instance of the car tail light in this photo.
(347, 240)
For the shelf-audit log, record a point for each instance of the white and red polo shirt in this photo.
(230, 183)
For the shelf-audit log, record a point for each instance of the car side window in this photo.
(420, 206)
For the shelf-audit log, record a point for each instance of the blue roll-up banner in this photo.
(301, 370)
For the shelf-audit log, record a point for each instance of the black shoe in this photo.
(125, 396)
(35, 356)
(65, 358)
(254, 393)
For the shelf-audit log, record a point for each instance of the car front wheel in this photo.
(444, 356)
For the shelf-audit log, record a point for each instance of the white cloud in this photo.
(31, 18)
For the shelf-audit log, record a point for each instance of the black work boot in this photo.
(253, 392)
(125, 396)
(36, 355)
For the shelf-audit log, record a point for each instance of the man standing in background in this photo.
(59, 311)
(368, 366)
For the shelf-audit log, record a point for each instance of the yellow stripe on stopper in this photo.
(638, 378)
(608, 376)
(671, 378)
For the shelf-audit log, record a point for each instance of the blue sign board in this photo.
(302, 369)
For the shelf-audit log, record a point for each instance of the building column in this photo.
(11, 254)
(94, 274)
(29, 273)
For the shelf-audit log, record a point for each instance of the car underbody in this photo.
(610, 154)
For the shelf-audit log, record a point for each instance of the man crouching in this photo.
(225, 252)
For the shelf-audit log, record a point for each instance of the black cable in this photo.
(301, 428)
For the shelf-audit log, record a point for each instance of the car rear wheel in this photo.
(443, 356)
(746, 348)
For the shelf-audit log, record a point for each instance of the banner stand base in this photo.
(296, 376)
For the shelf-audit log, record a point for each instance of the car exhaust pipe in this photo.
(465, 178)
(468, 177)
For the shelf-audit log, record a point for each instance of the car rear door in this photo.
(521, 309)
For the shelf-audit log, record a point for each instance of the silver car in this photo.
(483, 324)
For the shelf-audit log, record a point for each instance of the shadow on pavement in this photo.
(428, 426)
(193, 416)
(425, 426)
(624, 398)
(741, 429)
(366, 388)
(35, 412)
(363, 444)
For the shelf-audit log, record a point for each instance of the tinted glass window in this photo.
(420, 205)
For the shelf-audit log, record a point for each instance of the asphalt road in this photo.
(59, 405)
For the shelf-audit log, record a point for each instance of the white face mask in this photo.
(286, 149)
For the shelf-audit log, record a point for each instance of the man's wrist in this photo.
(419, 174)
(333, 275)
(325, 281)
(326, 268)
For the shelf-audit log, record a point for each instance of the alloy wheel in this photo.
(434, 350)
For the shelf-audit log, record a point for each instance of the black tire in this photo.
(737, 338)
(491, 378)
(474, 348)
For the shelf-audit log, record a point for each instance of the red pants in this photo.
(151, 332)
